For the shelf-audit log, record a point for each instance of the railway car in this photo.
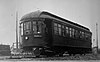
(44, 33)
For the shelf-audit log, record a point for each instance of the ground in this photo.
(66, 58)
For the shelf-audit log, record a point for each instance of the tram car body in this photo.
(46, 33)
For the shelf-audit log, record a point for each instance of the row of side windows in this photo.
(66, 31)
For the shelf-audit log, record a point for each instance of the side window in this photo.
(21, 27)
(73, 32)
(70, 32)
(86, 36)
(82, 35)
(63, 31)
(59, 29)
(66, 31)
(90, 37)
(76, 34)
(55, 28)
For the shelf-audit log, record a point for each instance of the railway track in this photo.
(64, 57)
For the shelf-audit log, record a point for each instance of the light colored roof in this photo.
(32, 14)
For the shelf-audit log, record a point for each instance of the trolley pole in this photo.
(97, 36)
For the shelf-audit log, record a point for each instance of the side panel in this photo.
(60, 40)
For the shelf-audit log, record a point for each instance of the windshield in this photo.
(37, 27)
(30, 27)
(27, 28)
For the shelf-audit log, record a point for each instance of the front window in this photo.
(21, 27)
(34, 27)
(27, 27)
(37, 27)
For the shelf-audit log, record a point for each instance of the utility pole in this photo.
(97, 36)
(16, 30)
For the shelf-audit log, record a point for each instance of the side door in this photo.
(48, 31)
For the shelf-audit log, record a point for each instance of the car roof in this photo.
(45, 14)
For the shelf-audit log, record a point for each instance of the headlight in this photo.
(26, 37)
(38, 32)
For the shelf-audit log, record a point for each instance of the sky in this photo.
(83, 12)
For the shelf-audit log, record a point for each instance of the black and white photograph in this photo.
(49, 30)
